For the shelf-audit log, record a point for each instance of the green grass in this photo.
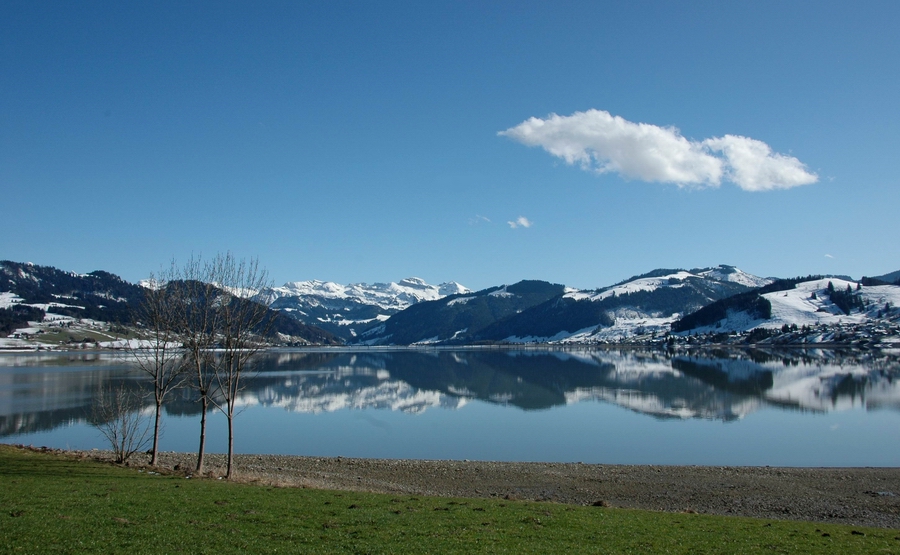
(53, 504)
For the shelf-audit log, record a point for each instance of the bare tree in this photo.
(161, 357)
(243, 323)
(223, 326)
(116, 413)
(198, 324)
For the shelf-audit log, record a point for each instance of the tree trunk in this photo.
(155, 449)
(228, 472)
(204, 402)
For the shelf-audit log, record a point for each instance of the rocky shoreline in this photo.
(853, 496)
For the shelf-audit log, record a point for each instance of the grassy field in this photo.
(54, 504)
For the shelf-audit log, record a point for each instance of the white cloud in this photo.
(828, 256)
(521, 221)
(753, 166)
(599, 141)
(478, 219)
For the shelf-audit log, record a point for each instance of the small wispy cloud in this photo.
(596, 140)
(828, 256)
(479, 219)
(521, 221)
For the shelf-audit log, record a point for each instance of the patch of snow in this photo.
(105, 295)
(429, 341)
(47, 306)
(413, 282)
(8, 299)
(14, 343)
(452, 288)
(135, 345)
(461, 391)
(734, 275)
(152, 284)
(240, 292)
(459, 332)
(459, 300)
(502, 292)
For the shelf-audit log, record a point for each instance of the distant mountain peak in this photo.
(349, 309)
(413, 282)
(724, 272)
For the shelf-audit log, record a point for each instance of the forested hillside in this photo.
(33, 291)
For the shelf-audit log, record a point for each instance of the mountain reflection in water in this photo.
(44, 391)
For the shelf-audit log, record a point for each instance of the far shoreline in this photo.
(657, 348)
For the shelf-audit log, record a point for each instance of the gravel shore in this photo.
(856, 496)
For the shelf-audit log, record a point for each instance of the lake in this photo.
(793, 408)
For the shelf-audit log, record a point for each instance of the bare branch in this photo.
(243, 325)
(223, 326)
(117, 415)
(161, 356)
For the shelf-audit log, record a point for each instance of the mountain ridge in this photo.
(463, 314)
(645, 303)
(721, 302)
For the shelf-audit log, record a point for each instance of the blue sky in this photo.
(361, 141)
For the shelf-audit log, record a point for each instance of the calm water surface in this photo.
(800, 408)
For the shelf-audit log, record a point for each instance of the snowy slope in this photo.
(675, 279)
(8, 299)
(734, 275)
(809, 304)
(641, 306)
(647, 284)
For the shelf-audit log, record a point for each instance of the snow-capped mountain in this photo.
(388, 296)
(722, 303)
(346, 310)
(547, 313)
